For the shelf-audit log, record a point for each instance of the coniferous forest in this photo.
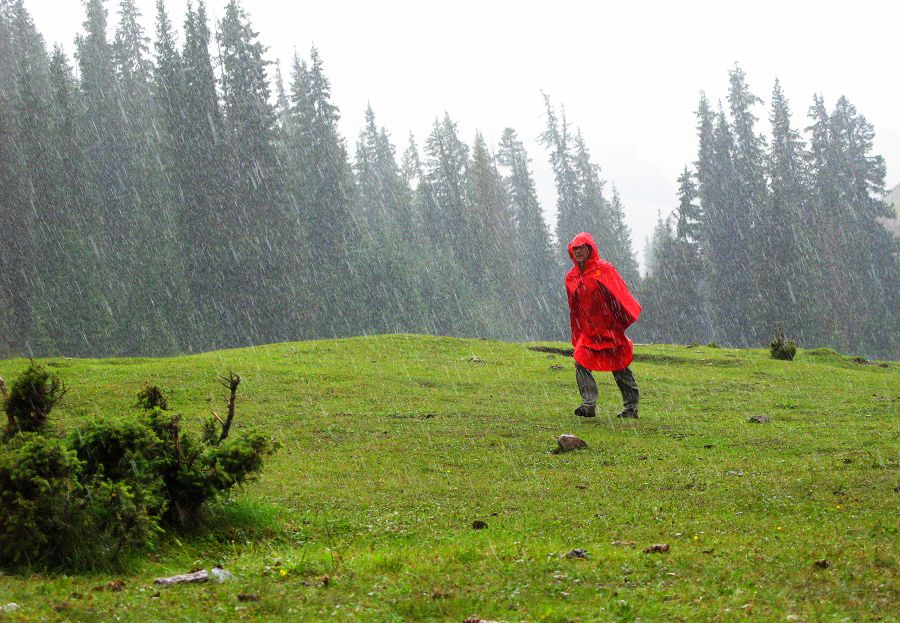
(190, 195)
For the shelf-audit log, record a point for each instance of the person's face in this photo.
(581, 253)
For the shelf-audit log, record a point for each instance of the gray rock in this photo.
(570, 442)
(187, 578)
(577, 553)
(220, 575)
(758, 419)
(10, 607)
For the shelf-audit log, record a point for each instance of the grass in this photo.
(394, 445)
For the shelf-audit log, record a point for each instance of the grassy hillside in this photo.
(394, 445)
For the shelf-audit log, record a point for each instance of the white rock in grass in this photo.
(220, 575)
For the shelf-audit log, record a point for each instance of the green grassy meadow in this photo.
(394, 445)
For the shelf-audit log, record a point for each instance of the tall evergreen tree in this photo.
(153, 236)
(860, 266)
(791, 281)
(540, 265)
(324, 189)
(393, 300)
(624, 258)
(557, 140)
(263, 234)
(749, 195)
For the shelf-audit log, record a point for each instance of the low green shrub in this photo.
(54, 517)
(152, 397)
(782, 348)
(31, 398)
(110, 485)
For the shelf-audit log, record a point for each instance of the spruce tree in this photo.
(624, 258)
(442, 204)
(860, 266)
(393, 299)
(540, 264)
(792, 279)
(557, 140)
(749, 196)
(263, 266)
(323, 188)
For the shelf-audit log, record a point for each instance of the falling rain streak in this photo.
(189, 196)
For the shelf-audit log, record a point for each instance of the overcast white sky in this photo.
(629, 73)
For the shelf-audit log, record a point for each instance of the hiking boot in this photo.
(585, 411)
(629, 413)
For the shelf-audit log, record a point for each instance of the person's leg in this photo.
(630, 394)
(587, 387)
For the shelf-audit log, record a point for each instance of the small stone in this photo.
(115, 586)
(570, 442)
(220, 575)
(822, 564)
(577, 553)
(557, 368)
(10, 607)
(758, 419)
(243, 597)
(198, 576)
(479, 524)
(659, 548)
(643, 457)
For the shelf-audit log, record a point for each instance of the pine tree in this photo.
(792, 279)
(860, 266)
(441, 197)
(750, 207)
(446, 157)
(15, 315)
(541, 269)
(688, 215)
(323, 187)
(264, 230)
(393, 296)
(558, 142)
(624, 258)
(153, 247)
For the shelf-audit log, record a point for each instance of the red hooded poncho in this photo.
(601, 308)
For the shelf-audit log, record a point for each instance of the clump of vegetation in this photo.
(31, 398)
(713, 345)
(115, 484)
(152, 397)
(781, 347)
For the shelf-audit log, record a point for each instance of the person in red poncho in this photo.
(601, 308)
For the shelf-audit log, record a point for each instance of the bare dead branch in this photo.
(231, 382)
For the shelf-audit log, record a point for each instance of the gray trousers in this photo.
(587, 387)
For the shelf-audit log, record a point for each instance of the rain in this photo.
(175, 189)
(195, 212)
